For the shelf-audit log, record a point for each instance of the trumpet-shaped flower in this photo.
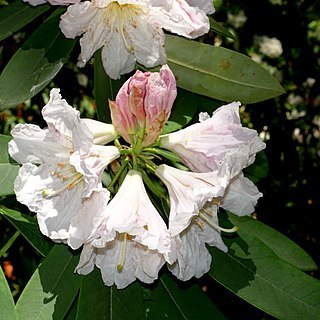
(193, 258)
(188, 193)
(143, 105)
(65, 188)
(133, 241)
(205, 146)
(130, 30)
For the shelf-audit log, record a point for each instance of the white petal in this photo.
(53, 212)
(90, 216)
(65, 120)
(241, 196)
(116, 59)
(182, 19)
(148, 44)
(32, 144)
(87, 259)
(103, 133)
(193, 257)
(205, 5)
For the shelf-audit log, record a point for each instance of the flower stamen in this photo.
(124, 250)
(217, 227)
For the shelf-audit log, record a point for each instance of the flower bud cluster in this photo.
(133, 198)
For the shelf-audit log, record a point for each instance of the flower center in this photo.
(117, 16)
(69, 177)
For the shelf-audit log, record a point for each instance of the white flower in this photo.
(216, 142)
(65, 188)
(193, 258)
(133, 241)
(130, 31)
(188, 193)
(271, 47)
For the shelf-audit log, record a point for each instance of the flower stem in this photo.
(118, 173)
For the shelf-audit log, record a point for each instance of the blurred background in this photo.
(284, 37)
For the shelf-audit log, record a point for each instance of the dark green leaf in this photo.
(16, 15)
(97, 301)
(28, 227)
(7, 307)
(218, 72)
(104, 88)
(35, 64)
(52, 288)
(283, 247)
(256, 274)
(172, 299)
(183, 110)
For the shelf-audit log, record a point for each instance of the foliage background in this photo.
(290, 125)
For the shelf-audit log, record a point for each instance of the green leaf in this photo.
(35, 64)
(256, 274)
(104, 88)
(220, 29)
(218, 72)
(173, 299)
(283, 247)
(52, 288)
(97, 301)
(16, 15)
(8, 171)
(7, 307)
(28, 227)
(183, 110)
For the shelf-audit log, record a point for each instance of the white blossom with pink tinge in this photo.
(130, 31)
(133, 241)
(60, 178)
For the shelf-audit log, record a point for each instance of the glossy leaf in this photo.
(183, 110)
(8, 170)
(256, 274)
(35, 64)
(52, 288)
(173, 299)
(16, 15)
(28, 227)
(98, 301)
(7, 307)
(218, 72)
(283, 247)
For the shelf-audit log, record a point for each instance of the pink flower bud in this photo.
(143, 105)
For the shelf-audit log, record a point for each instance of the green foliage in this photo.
(35, 64)
(7, 306)
(218, 72)
(113, 304)
(52, 288)
(16, 15)
(179, 301)
(28, 227)
(253, 270)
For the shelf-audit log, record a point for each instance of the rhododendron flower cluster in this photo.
(150, 212)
